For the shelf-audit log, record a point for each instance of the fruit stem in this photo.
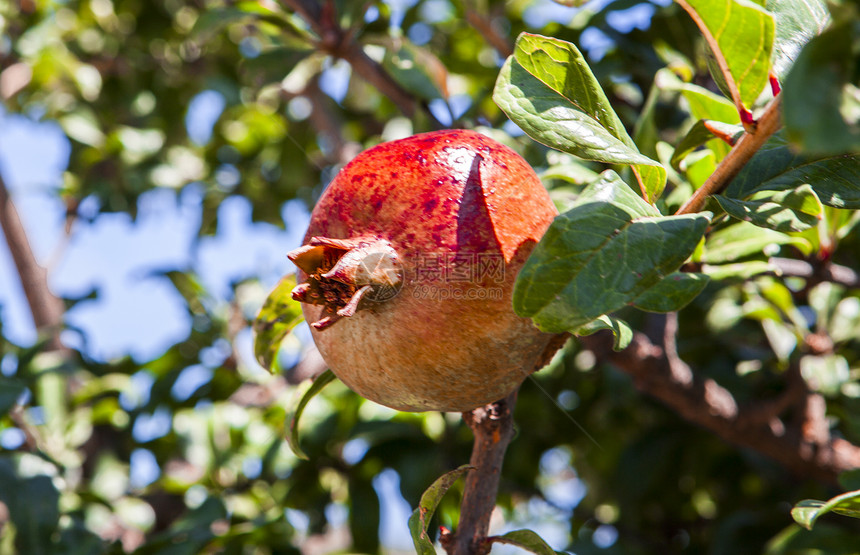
(493, 427)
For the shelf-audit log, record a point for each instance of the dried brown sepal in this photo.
(341, 273)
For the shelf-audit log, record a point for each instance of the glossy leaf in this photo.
(525, 539)
(276, 319)
(420, 519)
(672, 293)
(740, 36)
(808, 511)
(601, 255)
(620, 329)
(796, 23)
(792, 210)
(821, 102)
(548, 89)
(777, 167)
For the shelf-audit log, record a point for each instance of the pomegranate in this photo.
(408, 266)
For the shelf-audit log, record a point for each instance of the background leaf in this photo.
(821, 101)
(276, 319)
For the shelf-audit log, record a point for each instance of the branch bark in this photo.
(493, 427)
(339, 43)
(746, 147)
(46, 308)
(804, 447)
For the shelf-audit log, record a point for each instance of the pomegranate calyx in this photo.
(341, 273)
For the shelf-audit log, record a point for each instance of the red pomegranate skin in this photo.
(462, 212)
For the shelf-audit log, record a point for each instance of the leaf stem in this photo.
(749, 143)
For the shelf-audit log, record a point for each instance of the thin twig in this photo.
(45, 307)
(743, 151)
(484, 25)
(341, 44)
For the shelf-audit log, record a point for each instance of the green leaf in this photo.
(705, 104)
(738, 270)
(808, 511)
(526, 539)
(416, 69)
(293, 435)
(740, 36)
(547, 89)
(776, 167)
(10, 391)
(276, 319)
(796, 23)
(792, 210)
(601, 255)
(821, 101)
(620, 330)
(744, 239)
(420, 519)
(699, 134)
(673, 293)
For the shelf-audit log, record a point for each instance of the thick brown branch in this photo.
(746, 147)
(804, 448)
(493, 428)
(45, 307)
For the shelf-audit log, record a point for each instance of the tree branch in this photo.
(45, 307)
(805, 447)
(493, 428)
(339, 43)
(484, 25)
(746, 147)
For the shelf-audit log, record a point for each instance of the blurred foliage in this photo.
(603, 467)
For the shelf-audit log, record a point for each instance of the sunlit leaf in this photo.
(526, 539)
(796, 23)
(792, 210)
(420, 519)
(621, 331)
(548, 89)
(315, 387)
(740, 36)
(808, 511)
(601, 255)
(276, 319)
